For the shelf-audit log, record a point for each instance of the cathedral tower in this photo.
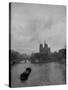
(41, 48)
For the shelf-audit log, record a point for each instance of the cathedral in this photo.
(42, 55)
(44, 49)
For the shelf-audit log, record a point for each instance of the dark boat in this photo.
(24, 76)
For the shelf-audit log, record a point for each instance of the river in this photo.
(41, 74)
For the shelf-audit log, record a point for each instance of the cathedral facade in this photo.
(44, 48)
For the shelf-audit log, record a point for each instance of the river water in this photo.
(41, 74)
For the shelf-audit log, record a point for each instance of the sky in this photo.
(32, 24)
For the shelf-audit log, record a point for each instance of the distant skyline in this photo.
(32, 24)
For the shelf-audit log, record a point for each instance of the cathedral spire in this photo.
(45, 45)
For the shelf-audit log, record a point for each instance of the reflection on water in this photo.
(45, 74)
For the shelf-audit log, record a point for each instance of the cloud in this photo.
(32, 24)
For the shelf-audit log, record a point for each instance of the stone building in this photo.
(43, 55)
(44, 49)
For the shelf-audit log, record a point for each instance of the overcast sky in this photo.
(32, 24)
